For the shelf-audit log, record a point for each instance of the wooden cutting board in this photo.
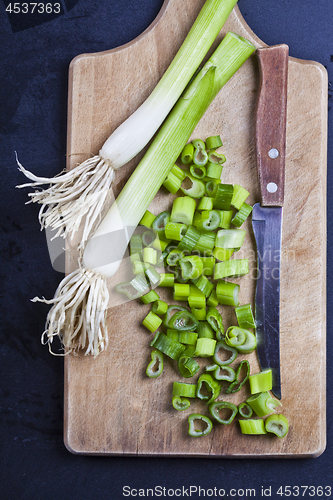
(111, 407)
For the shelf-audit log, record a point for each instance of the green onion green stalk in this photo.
(72, 197)
(131, 206)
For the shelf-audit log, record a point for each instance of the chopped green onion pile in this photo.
(191, 249)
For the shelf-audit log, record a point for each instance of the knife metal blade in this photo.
(267, 216)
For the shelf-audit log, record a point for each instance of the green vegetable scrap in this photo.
(198, 243)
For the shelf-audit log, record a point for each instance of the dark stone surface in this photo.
(34, 59)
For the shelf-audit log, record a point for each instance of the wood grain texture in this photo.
(111, 407)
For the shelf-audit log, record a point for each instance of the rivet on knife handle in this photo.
(270, 123)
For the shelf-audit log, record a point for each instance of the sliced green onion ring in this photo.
(147, 219)
(159, 307)
(213, 142)
(187, 153)
(226, 348)
(224, 373)
(189, 240)
(214, 170)
(194, 419)
(277, 424)
(227, 293)
(210, 220)
(214, 318)
(180, 403)
(238, 384)
(231, 269)
(186, 364)
(191, 266)
(197, 171)
(183, 320)
(208, 388)
(261, 382)
(135, 288)
(239, 196)
(245, 410)
(245, 317)
(193, 187)
(240, 217)
(184, 390)
(216, 158)
(205, 347)
(262, 403)
(252, 426)
(235, 336)
(223, 196)
(205, 330)
(183, 209)
(152, 322)
(230, 238)
(249, 345)
(155, 367)
(219, 406)
(169, 347)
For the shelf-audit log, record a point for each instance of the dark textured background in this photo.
(34, 59)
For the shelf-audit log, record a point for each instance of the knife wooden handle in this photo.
(270, 123)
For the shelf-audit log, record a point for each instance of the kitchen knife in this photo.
(270, 143)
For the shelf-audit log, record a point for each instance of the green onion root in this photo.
(77, 316)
